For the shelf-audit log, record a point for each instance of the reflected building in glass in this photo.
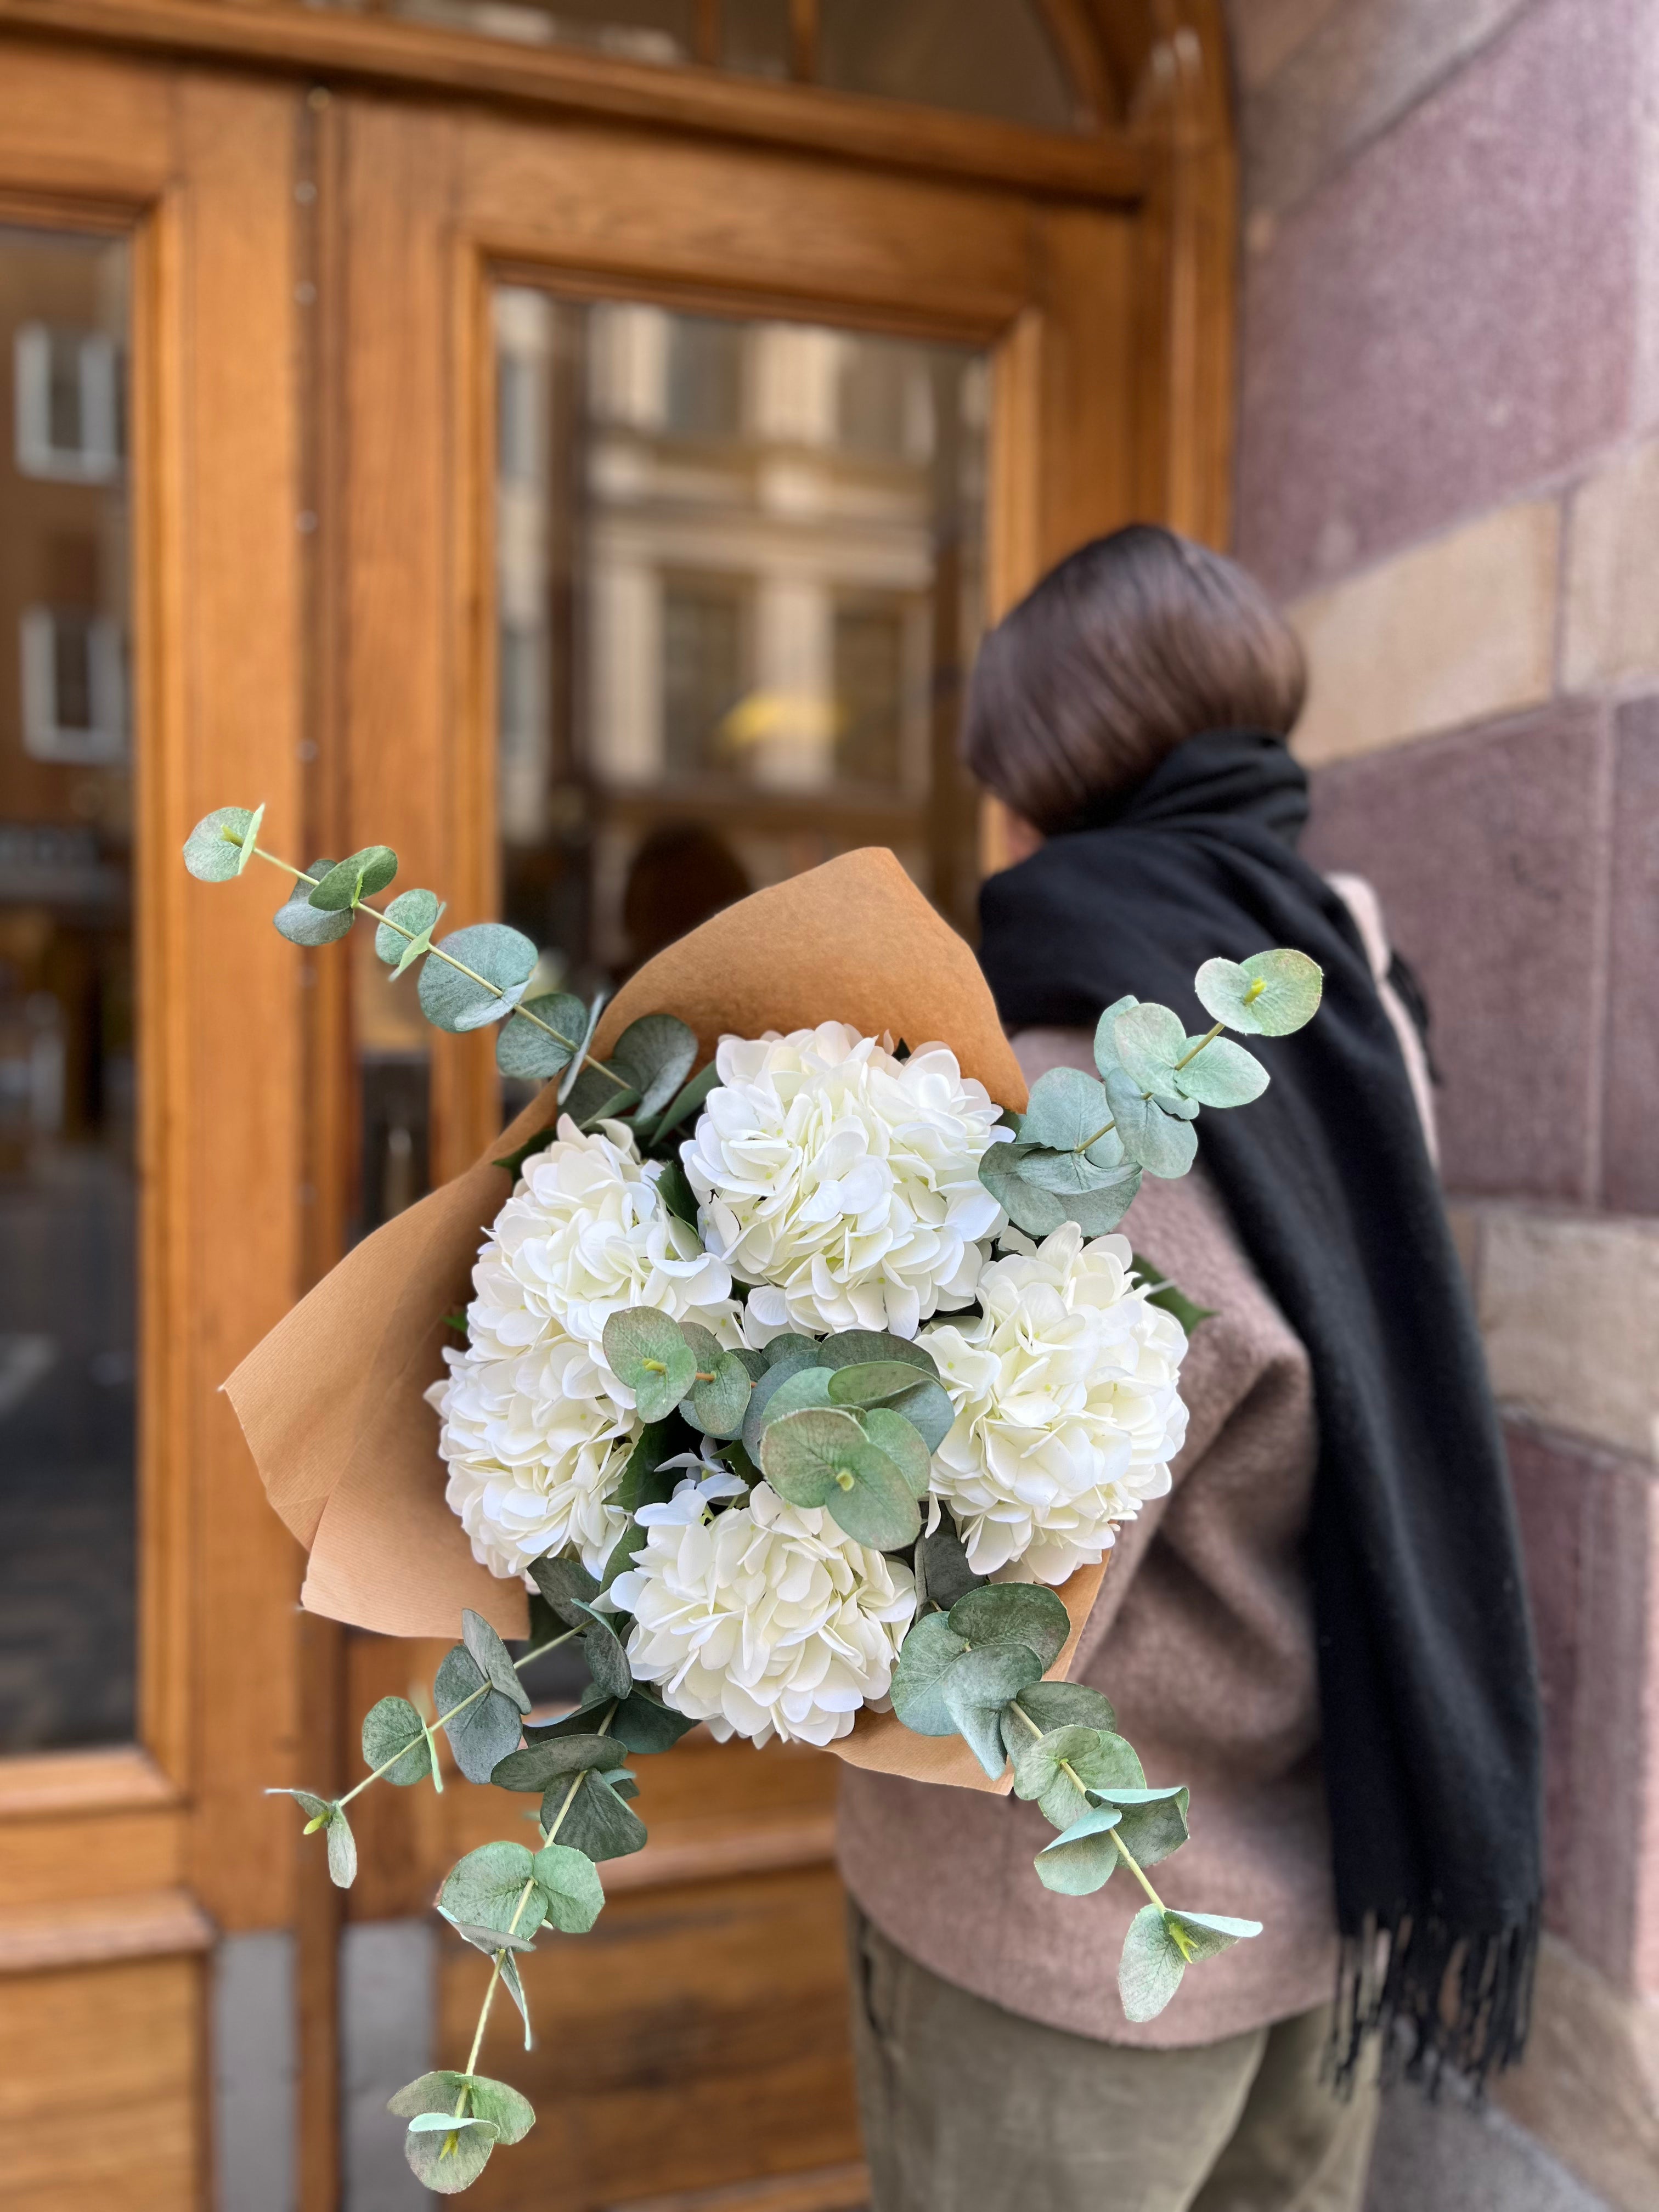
(738, 582)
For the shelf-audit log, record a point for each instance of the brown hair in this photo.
(1134, 643)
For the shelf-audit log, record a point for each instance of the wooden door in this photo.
(697, 2039)
(151, 1146)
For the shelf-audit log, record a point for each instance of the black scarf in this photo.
(1427, 1684)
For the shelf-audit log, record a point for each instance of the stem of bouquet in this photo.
(436, 953)
(1124, 1852)
(548, 1835)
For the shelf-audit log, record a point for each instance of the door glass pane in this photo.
(985, 57)
(738, 576)
(67, 1335)
(634, 30)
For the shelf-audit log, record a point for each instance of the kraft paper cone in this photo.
(331, 1401)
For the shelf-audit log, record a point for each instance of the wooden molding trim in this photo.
(72, 1781)
(826, 2189)
(1105, 164)
(161, 1924)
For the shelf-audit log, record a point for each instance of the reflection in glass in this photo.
(738, 580)
(67, 1321)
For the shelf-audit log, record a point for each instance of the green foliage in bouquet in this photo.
(849, 1423)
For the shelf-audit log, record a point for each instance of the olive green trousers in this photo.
(968, 2108)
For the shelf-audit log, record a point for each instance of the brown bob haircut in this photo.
(1134, 643)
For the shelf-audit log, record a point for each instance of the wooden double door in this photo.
(599, 509)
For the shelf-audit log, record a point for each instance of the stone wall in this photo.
(1449, 468)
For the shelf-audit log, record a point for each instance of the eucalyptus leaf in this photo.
(1206, 1935)
(790, 1351)
(767, 1402)
(648, 1352)
(494, 1887)
(392, 1726)
(301, 923)
(949, 1575)
(1270, 994)
(976, 1688)
(342, 1849)
(871, 1381)
(492, 1941)
(1162, 1144)
(1097, 1212)
(358, 877)
(1164, 1293)
(221, 843)
(450, 2161)
(594, 1096)
(1149, 1973)
(861, 1347)
(1154, 1820)
(1066, 1111)
(1063, 1704)
(642, 1483)
(512, 1982)
(579, 1067)
(316, 1809)
(607, 1662)
(529, 1053)
(1023, 1613)
(504, 958)
(1106, 1058)
(416, 911)
(688, 1101)
(822, 1456)
(681, 1201)
(566, 1585)
(1027, 1204)
(928, 1652)
(1148, 1041)
(928, 1408)
(593, 1819)
(482, 1733)
(1219, 1072)
(540, 1764)
(1105, 1767)
(573, 1893)
(1066, 1174)
(1083, 1858)
(654, 1055)
(643, 1724)
(903, 1444)
(717, 1406)
(492, 1657)
(511, 2115)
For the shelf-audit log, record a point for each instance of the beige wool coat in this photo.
(1203, 1638)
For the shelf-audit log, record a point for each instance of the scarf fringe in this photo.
(1438, 1999)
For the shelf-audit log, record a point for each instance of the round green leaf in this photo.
(607, 1662)
(1067, 1108)
(301, 923)
(221, 843)
(594, 1822)
(1064, 1705)
(928, 1410)
(416, 911)
(976, 1688)
(902, 1443)
(822, 1456)
(1097, 1212)
(1154, 1820)
(566, 1586)
(859, 1347)
(392, 1726)
(871, 1381)
(717, 1407)
(482, 1733)
(1149, 1973)
(1030, 1208)
(486, 1889)
(1067, 1173)
(790, 1351)
(358, 877)
(1162, 1144)
(1023, 1613)
(450, 2160)
(1220, 1073)
(503, 957)
(927, 1651)
(540, 1764)
(648, 1352)
(1206, 1934)
(786, 1389)
(1269, 994)
(572, 1891)
(529, 1053)
(1149, 1040)
(1105, 1050)
(1083, 1859)
(511, 2115)
(493, 1659)
(654, 1055)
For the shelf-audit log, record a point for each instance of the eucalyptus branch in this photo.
(437, 952)
(1082, 1788)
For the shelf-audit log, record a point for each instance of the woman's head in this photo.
(1131, 645)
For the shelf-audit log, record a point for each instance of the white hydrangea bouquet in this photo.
(803, 1383)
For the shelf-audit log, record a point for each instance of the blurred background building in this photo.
(582, 447)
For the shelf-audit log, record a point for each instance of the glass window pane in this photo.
(634, 30)
(737, 583)
(67, 1335)
(984, 57)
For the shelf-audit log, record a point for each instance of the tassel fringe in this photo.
(1436, 1997)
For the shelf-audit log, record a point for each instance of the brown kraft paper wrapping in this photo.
(331, 1401)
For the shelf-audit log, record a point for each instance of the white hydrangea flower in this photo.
(585, 1233)
(843, 1182)
(1067, 1407)
(767, 1619)
(536, 1444)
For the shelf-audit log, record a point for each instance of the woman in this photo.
(1322, 1628)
